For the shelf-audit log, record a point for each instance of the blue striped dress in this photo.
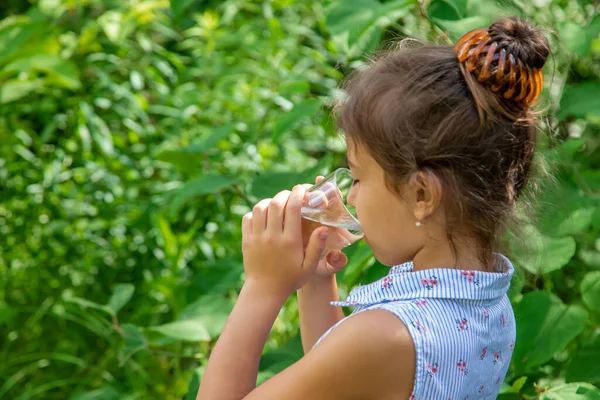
(461, 322)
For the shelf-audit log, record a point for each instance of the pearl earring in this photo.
(418, 224)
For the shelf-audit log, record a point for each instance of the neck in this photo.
(440, 255)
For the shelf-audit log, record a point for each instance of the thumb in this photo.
(336, 261)
(315, 249)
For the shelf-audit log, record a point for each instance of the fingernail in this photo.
(324, 235)
(315, 200)
(337, 257)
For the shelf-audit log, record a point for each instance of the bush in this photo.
(136, 134)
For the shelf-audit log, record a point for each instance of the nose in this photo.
(351, 196)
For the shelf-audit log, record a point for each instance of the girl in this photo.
(440, 142)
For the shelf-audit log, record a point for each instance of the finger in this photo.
(246, 229)
(293, 215)
(276, 210)
(247, 225)
(315, 248)
(316, 200)
(336, 261)
(319, 178)
(330, 190)
(259, 216)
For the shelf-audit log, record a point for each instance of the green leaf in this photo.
(359, 261)
(546, 326)
(447, 10)
(101, 134)
(580, 100)
(541, 254)
(60, 72)
(590, 290)
(20, 37)
(188, 330)
(16, 89)
(596, 219)
(121, 296)
(116, 25)
(565, 211)
(292, 118)
(517, 385)
(592, 30)
(350, 16)
(493, 9)
(180, 6)
(508, 396)
(590, 257)
(104, 393)
(169, 239)
(357, 25)
(572, 391)
(268, 184)
(277, 360)
(458, 28)
(592, 179)
(133, 337)
(194, 384)
(210, 310)
(210, 142)
(187, 158)
(584, 365)
(199, 186)
(575, 222)
(6, 313)
(87, 304)
(573, 37)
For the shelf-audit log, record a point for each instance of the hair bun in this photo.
(507, 57)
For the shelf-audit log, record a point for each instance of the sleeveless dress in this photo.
(461, 322)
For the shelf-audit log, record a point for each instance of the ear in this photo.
(425, 193)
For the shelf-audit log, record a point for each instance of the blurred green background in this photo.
(135, 134)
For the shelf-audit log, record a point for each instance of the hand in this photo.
(275, 257)
(335, 260)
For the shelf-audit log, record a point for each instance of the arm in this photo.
(369, 356)
(233, 365)
(317, 315)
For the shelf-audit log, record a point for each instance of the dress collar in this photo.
(402, 283)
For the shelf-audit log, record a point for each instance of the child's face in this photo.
(387, 221)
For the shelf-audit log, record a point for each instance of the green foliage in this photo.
(135, 135)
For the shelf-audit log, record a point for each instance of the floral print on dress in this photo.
(462, 324)
(497, 357)
(419, 326)
(471, 276)
(462, 366)
(458, 326)
(483, 353)
(387, 282)
(430, 283)
(432, 369)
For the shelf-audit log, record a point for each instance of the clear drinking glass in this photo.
(326, 204)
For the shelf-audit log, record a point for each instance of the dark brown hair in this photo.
(421, 109)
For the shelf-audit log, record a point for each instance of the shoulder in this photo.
(370, 355)
(376, 330)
